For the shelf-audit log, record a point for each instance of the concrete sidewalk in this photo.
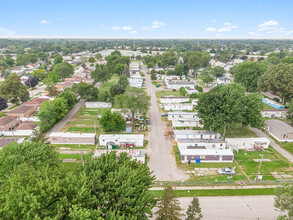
(217, 187)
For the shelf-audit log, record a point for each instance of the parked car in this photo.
(161, 106)
(226, 171)
(164, 115)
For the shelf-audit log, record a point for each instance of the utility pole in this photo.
(256, 178)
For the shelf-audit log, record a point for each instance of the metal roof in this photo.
(280, 126)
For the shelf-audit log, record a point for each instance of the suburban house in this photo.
(121, 140)
(72, 138)
(178, 107)
(133, 153)
(126, 114)
(137, 83)
(198, 143)
(173, 99)
(181, 115)
(6, 141)
(178, 84)
(222, 81)
(195, 134)
(98, 105)
(36, 102)
(134, 67)
(190, 90)
(22, 111)
(75, 79)
(206, 155)
(26, 126)
(194, 102)
(280, 130)
(186, 122)
(169, 78)
(274, 113)
(8, 123)
(250, 144)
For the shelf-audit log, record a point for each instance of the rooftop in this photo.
(280, 126)
(68, 134)
(21, 109)
(180, 83)
(27, 126)
(6, 119)
(37, 101)
(275, 110)
(5, 141)
(206, 152)
(195, 132)
(199, 140)
(174, 97)
(121, 136)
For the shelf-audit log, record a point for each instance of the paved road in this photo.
(205, 89)
(67, 118)
(37, 90)
(161, 161)
(283, 152)
(218, 187)
(234, 207)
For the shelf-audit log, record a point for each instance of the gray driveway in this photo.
(161, 162)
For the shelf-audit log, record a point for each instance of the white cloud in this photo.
(44, 22)
(214, 20)
(227, 23)
(132, 32)
(155, 26)
(269, 23)
(272, 28)
(224, 30)
(145, 28)
(158, 23)
(211, 29)
(116, 28)
(6, 32)
(126, 28)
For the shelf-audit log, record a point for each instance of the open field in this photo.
(239, 132)
(107, 85)
(287, 146)
(167, 93)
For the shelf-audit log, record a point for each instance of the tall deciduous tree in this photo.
(117, 89)
(168, 206)
(290, 111)
(123, 81)
(135, 100)
(40, 74)
(112, 121)
(126, 71)
(3, 104)
(101, 74)
(64, 70)
(58, 59)
(12, 89)
(69, 96)
(247, 74)
(284, 199)
(92, 60)
(86, 91)
(278, 79)
(194, 210)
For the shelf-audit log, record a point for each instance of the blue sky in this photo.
(147, 19)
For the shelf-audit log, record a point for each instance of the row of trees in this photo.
(52, 111)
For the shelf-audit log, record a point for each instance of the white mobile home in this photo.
(198, 143)
(173, 99)
(178, 84)
(181, 115)
(274, 113)
(187, 122)
(190, 90)
(206, 155)
(247, 143)
(98, 105)
(198, 134)
(194, 102)
(127, 140)
(178, 107)
(72, 138)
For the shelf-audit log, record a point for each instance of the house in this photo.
(206, 155)
(190, 90)
(98, 105)
(178, 84)
(194, 102)
(181, 115)
(75, 79)
(187, 122)
(133, 153)
(6, 141)
(36, 102)
(169, 78)
(272, 103)
(280, 130)
(72, 138)
(173, 99)
(195, 134)
(22, 111)
(178, 107)
(122, 140)
(26, 126)
(251, 144)
(135, 81)
(198, 143)
(134, 67)
(64, 85)
(126, 114)
(274, 113)
(8, 123)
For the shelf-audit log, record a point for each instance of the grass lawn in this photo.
(239, 132)
(74, 146)
(217, 192)
(265, 106)
(81, 129)
(201, 83)
(277, 164)
(287, 146)
(167, 93)
(107, 85)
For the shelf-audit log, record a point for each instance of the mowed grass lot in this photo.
(287, 146)
(238, 132)
(277, 164)
(167, 93)
(84, 121)
(107, 85)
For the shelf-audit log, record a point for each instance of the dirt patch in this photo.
(68, 160)
(80, 125)
(263, 160)
(74, 151)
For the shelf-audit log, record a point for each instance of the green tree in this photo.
(101, 74)
(52, 77)
(69, 96)
(135, 100)
(221, 107)
(123, 81)
(60, 107)
(104, 96)
(3, 104)
(9, 60)
(58, 59)
(117, 89)
(194, 210)
(205, 75)
(278, 79)
(52, 90)
(40, 74)
(284, 199)
(126, 71)
(119, 68)
(182, 91)
(290, 111)
(205, 59)
(247, 74)
(179, 69)
(287, 60)
(153, 75)
(92, 60)
(112, 121)
(150, 65)
(218, 71)
(12, 89)
(47, 115)
(168, 206)
(98, 56)
(86, 91)
(64, 70)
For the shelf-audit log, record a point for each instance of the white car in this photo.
(226, 171)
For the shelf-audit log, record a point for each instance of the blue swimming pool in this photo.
(272, 103)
